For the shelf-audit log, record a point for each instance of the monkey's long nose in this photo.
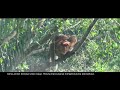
(66, 43)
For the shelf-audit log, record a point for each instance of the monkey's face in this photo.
(63, 47)
(63, 44)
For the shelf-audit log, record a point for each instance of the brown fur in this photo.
(61, 45)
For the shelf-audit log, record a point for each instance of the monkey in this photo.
(73, 40)
(61, 45)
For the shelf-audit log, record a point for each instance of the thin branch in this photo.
(36, 45)
(40, 23)
(86, 34)
(9, 37)
(73, 26)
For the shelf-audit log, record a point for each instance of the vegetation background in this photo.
(24, 44)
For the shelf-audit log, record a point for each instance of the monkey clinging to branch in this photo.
(61, 45)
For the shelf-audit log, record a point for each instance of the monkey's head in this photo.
(61, 38)
(73, 40)
(62, 48)
(64, 44)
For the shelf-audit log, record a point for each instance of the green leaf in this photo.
(1, 60)
(68, 22)
(14, 48)
(5, 46)
(115, 45)
(93, 34)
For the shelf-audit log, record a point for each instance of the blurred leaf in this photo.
(68, 22)
(93, 34)
(5, 45)
(115, 45)
(1, 60)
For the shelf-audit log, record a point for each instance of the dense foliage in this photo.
(24, 44)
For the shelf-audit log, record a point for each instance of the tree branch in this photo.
(73, 26)
(9, 37)
(85, 36)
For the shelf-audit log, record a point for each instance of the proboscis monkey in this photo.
(61, 45)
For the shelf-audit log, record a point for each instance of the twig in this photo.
(73, 26)
(9, 37)
(86, 34)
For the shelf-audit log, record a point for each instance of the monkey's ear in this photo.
(66, 43)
